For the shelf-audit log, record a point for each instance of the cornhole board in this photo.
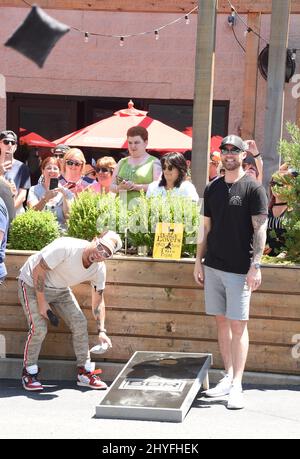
(156, 386)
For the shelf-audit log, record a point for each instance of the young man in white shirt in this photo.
(45, 279)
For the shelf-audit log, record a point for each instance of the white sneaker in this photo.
(236, 398)
(222, 388)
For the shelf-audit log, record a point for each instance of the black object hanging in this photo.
(263, 60)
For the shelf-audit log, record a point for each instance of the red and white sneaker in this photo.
(90, 379)
(30, 381)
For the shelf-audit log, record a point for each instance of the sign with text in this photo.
(168, 241)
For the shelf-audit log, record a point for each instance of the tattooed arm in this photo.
(98, 308)
(259, 223)
(39, 274)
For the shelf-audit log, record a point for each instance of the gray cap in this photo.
(10, 135)
(62, 147)
(234, 140)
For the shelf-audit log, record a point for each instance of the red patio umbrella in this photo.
(111, 132)
(215, 140)
(32, 139)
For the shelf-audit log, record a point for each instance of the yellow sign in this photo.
(168, 241)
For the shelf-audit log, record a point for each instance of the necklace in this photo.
(229, 186)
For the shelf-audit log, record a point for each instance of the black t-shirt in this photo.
(230, 207)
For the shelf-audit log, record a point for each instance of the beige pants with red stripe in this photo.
(67, 308)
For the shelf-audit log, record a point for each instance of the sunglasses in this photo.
(59, 155)
(103, 251)
(233, 151)
(102, 169)
(7, 142)
(70, 162)
(165, 167)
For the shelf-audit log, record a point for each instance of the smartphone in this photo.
(53, 183)
(120, 180)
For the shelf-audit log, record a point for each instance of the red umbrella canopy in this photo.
(111, 132)
(215, 141)
(32, 139)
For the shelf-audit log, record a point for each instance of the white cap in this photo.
(111, 240)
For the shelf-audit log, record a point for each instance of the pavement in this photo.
(64, 410)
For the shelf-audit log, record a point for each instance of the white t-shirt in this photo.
(64, 258)
(186, 189)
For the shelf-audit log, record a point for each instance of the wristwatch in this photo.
(256, 265)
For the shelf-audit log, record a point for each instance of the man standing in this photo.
(235, 221)
(45, 279)
(14, 171)
(4, 219)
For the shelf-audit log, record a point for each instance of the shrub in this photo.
(33, 230)
(147, 212)
(290, 151)
(91, 213)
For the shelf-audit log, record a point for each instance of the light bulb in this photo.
(156, 35)
(122, 41)
(86, 37)
(187, 19)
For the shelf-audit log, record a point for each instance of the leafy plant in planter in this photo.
(91, 213)
(142, 220)
(290, 151)
(33, 230)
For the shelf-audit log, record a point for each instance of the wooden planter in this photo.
(156, 305)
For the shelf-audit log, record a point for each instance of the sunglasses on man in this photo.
(7, 142)
(103, 251)
(232, 151)
(59, 155)
(280, 185)
(70, 162)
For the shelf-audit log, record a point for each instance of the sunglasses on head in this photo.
(169, 167)
(70, 162)
(103, 169)
(59, 155)
(233, 151)
(7, 142)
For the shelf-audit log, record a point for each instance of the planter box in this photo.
(156, 306)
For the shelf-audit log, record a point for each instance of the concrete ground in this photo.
(64, 410)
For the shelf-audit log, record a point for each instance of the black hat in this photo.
(10, 135)
(234, 140)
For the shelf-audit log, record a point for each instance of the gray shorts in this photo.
(226, 294)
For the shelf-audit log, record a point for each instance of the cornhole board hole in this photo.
(156, 386)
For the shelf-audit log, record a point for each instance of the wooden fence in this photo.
(156, 305)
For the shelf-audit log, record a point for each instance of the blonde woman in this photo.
(104, 170)
(73, 171)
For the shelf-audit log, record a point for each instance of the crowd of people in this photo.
(237, 223)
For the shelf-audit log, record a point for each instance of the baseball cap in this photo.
(234, 140)
(61, 148)
(111, 240)
(10, 135)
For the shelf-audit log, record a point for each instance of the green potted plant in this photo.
(33, 230)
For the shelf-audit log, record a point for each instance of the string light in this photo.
(86, 37)
(231, 18)
(121, 41)
(156, 34)
(187, 19)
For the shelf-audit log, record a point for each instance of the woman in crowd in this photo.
(173, 179)
(277, 211)
(134, 173)
(73, 171)
(104, 171)
(57, 200)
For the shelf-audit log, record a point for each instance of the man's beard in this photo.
(231, 165)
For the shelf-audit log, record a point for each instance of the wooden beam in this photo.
(250, 81)
(150, 6)
(203, 98)
(276, 81)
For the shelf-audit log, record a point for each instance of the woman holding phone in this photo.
(49, 194)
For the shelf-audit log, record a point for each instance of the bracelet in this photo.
(102, 330)
(256, 156)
